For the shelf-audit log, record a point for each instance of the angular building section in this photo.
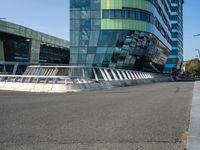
(21, 46)
(125, 34)
(175, 59)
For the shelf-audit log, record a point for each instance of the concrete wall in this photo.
(19, 30)
(35, 51)
(73, 86)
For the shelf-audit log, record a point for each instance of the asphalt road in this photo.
(145, 117)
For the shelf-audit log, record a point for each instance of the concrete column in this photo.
(35, 51)
(2, 56)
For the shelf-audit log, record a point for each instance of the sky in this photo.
(48, 16)
(52, 17)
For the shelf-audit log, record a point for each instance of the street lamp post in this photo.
(198, 50)
(196, 35)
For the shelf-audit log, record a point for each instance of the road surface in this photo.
(145, 117)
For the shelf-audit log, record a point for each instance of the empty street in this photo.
(154, 116)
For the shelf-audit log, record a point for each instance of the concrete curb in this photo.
(78, 87)
(194, 129)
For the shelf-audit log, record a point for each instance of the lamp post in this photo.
(198, 50)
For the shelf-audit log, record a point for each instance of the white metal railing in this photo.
(79, 74)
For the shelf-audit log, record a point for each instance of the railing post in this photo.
(30, 80)
(119, 74)
(125, 77)
(114, 75)
(142, 74)
(129, 77)
(108, 75)
(38, 80)
(95, 74)
(55, 81)
(47, 80)
(132, 75)
(15, 69)
(103, 74)
(138, 75)
(83, 72)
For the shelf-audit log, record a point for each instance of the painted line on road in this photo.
(194, 129)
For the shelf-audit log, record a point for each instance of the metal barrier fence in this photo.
(73, 78)
(64, 74)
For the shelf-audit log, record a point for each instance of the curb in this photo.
(194, 128)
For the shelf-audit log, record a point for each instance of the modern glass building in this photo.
(21, 46)
(175, 59)
(125, 34)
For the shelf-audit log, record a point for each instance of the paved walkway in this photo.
(145, 117)
(194, 131)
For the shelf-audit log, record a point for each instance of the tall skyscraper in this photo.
(175, 58)
(125, 34)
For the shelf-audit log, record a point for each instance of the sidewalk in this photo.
(194, 130)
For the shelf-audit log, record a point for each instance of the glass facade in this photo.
(21, 46)
(125, 34)
(175, 59)
(16, 48)
(53, 55)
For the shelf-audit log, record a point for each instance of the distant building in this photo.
(175, 59)
(21, 46)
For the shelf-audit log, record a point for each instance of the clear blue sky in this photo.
(48, 16)
(52, 17)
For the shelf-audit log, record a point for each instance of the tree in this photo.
(193, 67)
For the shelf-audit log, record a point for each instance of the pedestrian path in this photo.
(194, 130)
